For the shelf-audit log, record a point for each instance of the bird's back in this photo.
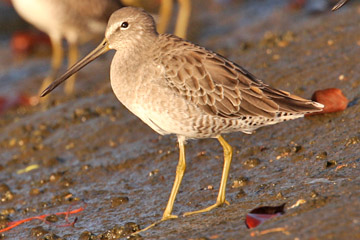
(227, 97)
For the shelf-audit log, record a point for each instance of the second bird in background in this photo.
(81, 21)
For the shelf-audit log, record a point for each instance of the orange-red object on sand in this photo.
(14, 101)
(25, 41)
(261, 214)
(297, 4)
(332, 98)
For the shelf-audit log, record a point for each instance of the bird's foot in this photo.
(217, 204)
(164, 218)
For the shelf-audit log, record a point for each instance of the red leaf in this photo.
(259, 215)
(23, 42)
(332, 98)
(15, 101)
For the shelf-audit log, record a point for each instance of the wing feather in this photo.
(220, 87)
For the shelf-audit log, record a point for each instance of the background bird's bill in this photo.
(339, 5)
(99, 50)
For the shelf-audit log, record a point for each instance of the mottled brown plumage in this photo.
(177, 87)
(224, 89)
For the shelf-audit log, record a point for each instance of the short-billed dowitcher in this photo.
(339, 5)
(177, 87)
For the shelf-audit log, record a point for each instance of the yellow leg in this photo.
(183, 18)
(72, 59)
(221, 196)
(135, 3)
(165, 15)
(180, 170)
(56, 60)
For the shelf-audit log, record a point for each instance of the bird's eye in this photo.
(125, 25)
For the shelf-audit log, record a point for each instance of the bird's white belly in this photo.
(146, 117)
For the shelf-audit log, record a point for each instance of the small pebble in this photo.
(34, 192)
(55, 177)
(330, 164)
(314, 194)
(6, 211)
(87, 236)
(4, 220)
(38, 232)
(7, 196)
(341, 77)
(115, 202)
(52, 218)
(240, 182)
(120, 232)
(321, 156)
(4, 188)
(241, 194)
(279, 195)
(252, 162)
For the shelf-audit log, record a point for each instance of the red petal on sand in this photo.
(24, 100)
(19, 100)
(259, 215)
(23, 42)
(332, 98)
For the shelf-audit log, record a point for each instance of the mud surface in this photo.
(89, 148)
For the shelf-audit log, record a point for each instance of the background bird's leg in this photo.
(183, 18)
(56, 61)
(180, 170)
(227, 161)
(166, 7)
(72, 59)
(134, 3)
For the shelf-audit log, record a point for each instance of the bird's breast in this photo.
(136, 85)
(142, 88)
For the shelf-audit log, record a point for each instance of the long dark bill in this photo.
(99, 50)
(339, 5)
